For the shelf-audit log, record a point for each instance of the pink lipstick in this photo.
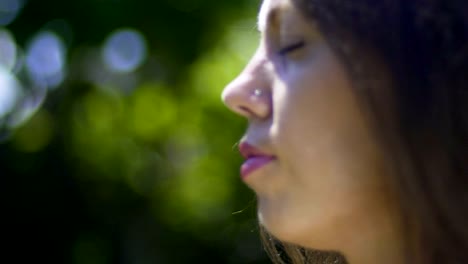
(254, 159)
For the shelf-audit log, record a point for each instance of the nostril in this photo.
(245, 111)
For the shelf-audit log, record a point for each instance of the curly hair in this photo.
(419, 113)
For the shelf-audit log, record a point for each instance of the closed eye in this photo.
(291, 48)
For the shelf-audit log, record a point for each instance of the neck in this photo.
(382, 245)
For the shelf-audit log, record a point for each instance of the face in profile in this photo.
(311, 156)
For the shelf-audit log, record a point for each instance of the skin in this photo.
(326, 187)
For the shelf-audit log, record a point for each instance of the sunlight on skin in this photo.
(325, 188)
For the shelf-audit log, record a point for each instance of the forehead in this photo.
(268, 8)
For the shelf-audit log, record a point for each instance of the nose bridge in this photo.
(251, 74)
(256, 63)
(239, 94)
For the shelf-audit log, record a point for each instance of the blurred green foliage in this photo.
(136, 166)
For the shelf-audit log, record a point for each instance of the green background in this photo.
(131, 167)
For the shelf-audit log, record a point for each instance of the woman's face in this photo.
(313, 162)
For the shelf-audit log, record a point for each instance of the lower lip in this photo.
(254, 163)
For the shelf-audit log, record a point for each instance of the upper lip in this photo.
(247, 151)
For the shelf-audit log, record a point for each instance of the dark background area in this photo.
(115, 146)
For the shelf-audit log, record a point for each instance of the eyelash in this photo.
(291, 48)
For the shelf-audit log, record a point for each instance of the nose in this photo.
(249, 94)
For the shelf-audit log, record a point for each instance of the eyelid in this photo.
(291, 47)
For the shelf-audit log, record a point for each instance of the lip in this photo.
(254, 159)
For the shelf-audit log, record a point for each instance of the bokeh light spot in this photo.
(124, 50)
(45, 60)
(9, 10)
(8, 53)
(10, 90)
(153, 111)
(35, 134)
(222, 64)
(26, 107)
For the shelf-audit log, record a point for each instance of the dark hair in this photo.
(420, 113)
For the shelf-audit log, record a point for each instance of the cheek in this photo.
(329, 160)
(305, 119)
(331, 170)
